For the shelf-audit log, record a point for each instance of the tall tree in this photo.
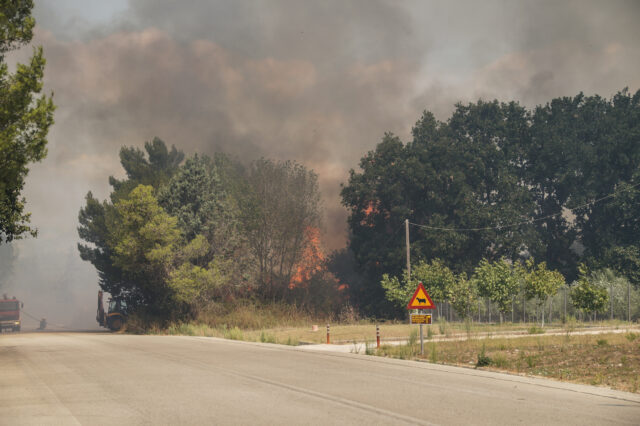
(25, 117)
(496, 180)
(465, 173)
(541, 283)
(499, 281)
(94, 218)
(143, 238)
(283, 205)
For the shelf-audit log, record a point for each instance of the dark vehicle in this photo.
(10, 313)
(115, 317)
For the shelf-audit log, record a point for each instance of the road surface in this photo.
(102, 378)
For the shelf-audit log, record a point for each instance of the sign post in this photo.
(421, 301)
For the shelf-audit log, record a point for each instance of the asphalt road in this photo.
(102, 378)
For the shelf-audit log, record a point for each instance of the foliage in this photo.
(175, 239)
(25, 118)
(625, 260)
(396, 292)
(499, 281)
(587, 295)
(618, 290)
(195, 196)
(506, 176)
(435, 276)
(541, 283)
(99, 220)
(283, 205)
(154, 170)
(483, 359)
(143, 238)
(208, 216)
(463, 296)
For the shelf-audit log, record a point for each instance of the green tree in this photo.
(197, 197)
(541, 283)
(25, 118)
(587, 295)
(625, 260)
(499, 281)
(496, 180)
(154, 169)
(463, 295)
(144, 238)
(396, 292)
(436, 277)
(192, 284)
(585, 148)
(465, 173)
(96, 216)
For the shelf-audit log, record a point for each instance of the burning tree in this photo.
(282, 224)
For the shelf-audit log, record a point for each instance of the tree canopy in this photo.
(559, 183)
(178, 237)
(25, 117)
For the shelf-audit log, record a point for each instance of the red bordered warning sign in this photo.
(421, 299)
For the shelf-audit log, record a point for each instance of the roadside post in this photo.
(421, 301)
(328, 334)
(378, 336)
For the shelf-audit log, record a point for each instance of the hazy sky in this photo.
(317, 81)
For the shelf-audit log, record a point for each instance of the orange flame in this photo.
(312, 259)
(371, 208)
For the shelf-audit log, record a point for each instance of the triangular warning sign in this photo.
(421, 299)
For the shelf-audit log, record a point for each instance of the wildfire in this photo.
(370, 209)
(312, 259)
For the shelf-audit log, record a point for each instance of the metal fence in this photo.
(623, 305)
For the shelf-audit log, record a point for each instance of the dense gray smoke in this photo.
(317, 82)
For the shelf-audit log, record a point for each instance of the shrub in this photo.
(536, 330)
(483, 359)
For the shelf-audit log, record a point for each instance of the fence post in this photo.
(629, 301)
(565, 304)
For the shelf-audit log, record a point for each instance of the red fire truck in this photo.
(10, 313)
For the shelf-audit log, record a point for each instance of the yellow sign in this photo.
(420, 319)
(421, 299)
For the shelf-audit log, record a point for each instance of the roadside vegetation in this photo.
(611, 360)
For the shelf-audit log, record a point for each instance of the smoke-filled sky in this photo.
(314, 81)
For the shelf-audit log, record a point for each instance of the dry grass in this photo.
(611, 360)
